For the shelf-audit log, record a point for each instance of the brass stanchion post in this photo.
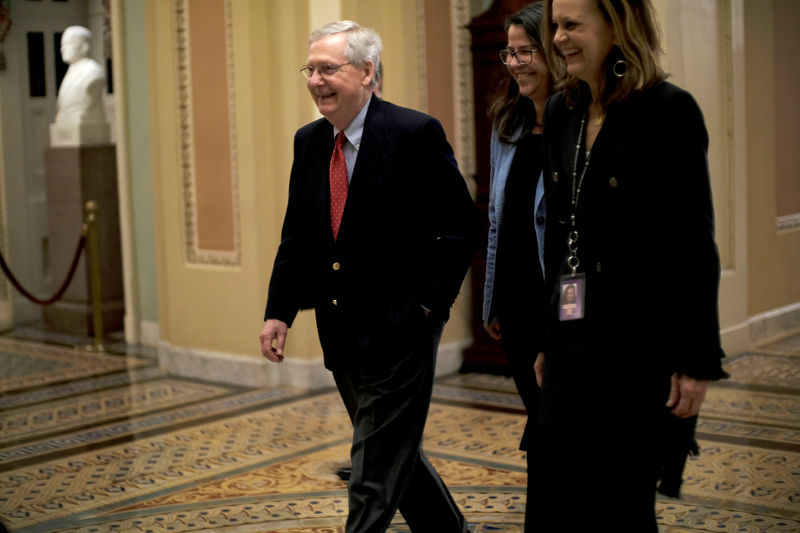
(94, 274)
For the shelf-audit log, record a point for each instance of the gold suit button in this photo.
(599, 267)
(555, 176)
(335, 302)
(613, 182)
(336, 266)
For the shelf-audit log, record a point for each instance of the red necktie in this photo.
(338, 177)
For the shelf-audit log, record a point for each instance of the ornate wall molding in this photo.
(462, 86)
(788, 222)
(727, 59)
(5, 295)
(193, 252)
(422, 78)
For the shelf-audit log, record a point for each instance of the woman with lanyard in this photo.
(632, 272)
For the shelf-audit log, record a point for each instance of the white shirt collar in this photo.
(355, 129)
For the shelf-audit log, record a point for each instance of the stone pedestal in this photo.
(76, 135)
(76, 175)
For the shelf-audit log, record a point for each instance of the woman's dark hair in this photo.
(637, 32)
(510, 110)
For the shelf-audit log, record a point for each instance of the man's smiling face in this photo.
(341, 95)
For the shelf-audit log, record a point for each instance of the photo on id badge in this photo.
(570, 303)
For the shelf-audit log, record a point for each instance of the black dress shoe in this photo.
(344, 473)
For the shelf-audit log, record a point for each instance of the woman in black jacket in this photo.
(631, 267)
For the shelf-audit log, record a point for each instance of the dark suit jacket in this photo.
(518, 276)
(406, 238)
(646, 232)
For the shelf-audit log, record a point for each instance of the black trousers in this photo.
(388, 405)
(596, 446)
(576, 482)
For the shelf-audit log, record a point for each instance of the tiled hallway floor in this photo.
(102, 442)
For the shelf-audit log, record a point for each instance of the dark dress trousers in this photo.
(406, 239)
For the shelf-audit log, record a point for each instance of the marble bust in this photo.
(80, 116)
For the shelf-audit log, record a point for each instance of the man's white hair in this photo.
(363, 44)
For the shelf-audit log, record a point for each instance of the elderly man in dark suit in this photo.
(378, 235)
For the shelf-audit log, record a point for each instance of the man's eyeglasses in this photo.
(523, 56)
(324, 70)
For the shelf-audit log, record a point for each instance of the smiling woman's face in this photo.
(583, 37)
(533, 78)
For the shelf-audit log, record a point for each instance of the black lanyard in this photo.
(577, 183)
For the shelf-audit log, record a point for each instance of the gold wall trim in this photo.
(5, 295)
(462, 86)
(194, 254)
(726, 51)
(422, 79)
(788, 222)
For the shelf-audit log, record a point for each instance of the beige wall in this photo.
(729, 53)
(222, 150)
(703, 54)
(732, 55)
(772, 163)
(398, 25)
(787, 117)
(213, 300)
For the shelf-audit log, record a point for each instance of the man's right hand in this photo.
(274, 331)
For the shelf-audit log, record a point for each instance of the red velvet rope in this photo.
(60, 292)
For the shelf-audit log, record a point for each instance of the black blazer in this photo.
(406, 238)
(519, 281)
(646, 235)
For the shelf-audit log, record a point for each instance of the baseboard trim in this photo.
(311, 374)
(761, 328)
(774, 324)
(6, 318)
(257, 372)
(735, 339)
(149, 334)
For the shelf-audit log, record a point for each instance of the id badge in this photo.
(571, 297)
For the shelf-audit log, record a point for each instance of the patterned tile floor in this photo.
(97, 442)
